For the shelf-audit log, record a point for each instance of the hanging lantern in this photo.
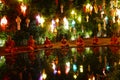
(84, 8)
(40, 20)
(3, 23)
(0, 1)
(56, 1)
(52, 25)
(96, 8)
(57, 22)
(23, 8)
(66, 23)
(87, 18)
(27, 22)
(61, 8)
(87, 7)
(18, 21)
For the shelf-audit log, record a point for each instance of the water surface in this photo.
(84, 63)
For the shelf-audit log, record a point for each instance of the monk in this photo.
(114, 40)
(31, 43)
(95, 40)
(47, 43)
(64, 42)
(9, 45)
(80, 42)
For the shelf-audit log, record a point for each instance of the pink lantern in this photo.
(3, 23)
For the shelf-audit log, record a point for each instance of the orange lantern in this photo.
(27, 22)
(18, 21)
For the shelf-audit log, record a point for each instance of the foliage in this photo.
(51, 10)
(50, 35)
(43, 7)
(3, 35)
(62, 32)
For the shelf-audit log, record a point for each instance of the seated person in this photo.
(114, 40)
(31, 43)
(64, 42)
(95, 40)
(9, 45)
(47, 43)
(80, 41)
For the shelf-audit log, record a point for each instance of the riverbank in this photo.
(88, 42)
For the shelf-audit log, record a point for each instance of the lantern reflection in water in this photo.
(67, 67)
(43, 76)
(63, 67)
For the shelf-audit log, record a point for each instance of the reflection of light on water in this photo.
(74, 67)
(104, 72)
(115, 63)
(88, 50)
(42, 54)
(81, 68)
(73, 50)
(91, 77)
(67, 67)
(43, 76)
(107, 67)
(54, 68)
(100, 59)
(89, 68)
(59, 72)
(2, 60)
(74, 76)
(55, 72)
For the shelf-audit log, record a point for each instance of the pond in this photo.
(83, 63)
